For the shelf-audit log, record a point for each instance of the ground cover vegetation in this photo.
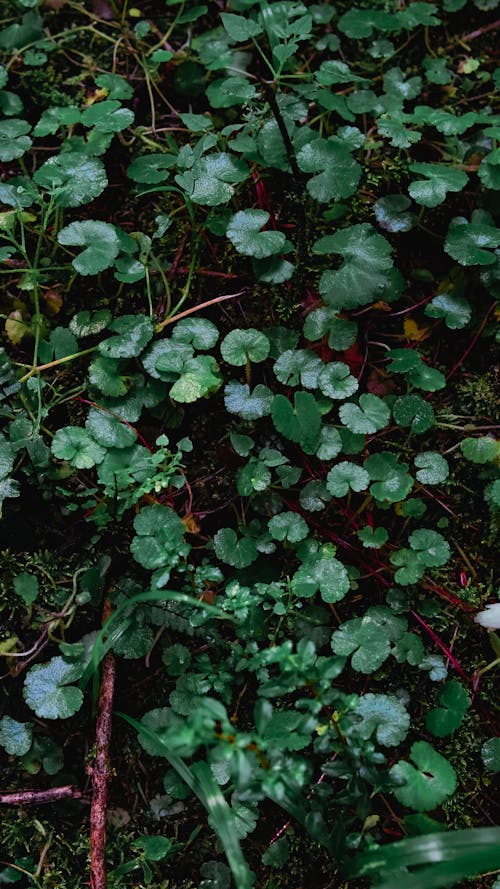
(248, 467)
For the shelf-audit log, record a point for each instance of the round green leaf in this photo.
(336, 381)
(77, 446)
(296, 367)
(100, 241)
(384, 716)
(229, 91)
(151, 168)
(47, 692)
(439, 180)
(480, 450)
(240, 346)
(366, 417)
(472, 243)
(346, 477)
(288, 526)
(233, 551)
(201, 333)
(132, 334)
(432, 468)
(453, 704)
(248, 405)
(337, 172)
(427, 784)
(13, 139)
(73, 178)
(15, 737)
(454, 309)
(391, 480)
(391, 213)
(413, 411)
(244, 233)
(159, 539)
(373, 538)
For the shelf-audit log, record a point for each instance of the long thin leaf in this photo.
(200, 780)
(452, 856)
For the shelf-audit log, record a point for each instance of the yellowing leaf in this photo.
(413, 332)
(15, 328)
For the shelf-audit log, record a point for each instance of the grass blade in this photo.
(200, 780)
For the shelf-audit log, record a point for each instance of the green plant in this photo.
(279, 507)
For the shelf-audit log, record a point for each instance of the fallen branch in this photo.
(101, 771)
(40, 797)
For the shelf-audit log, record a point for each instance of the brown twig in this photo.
(39, 797)
(466, 38)
(101, 770)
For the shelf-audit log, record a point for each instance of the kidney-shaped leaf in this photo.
(245, 235)
(100, 241)
(426, 784)
(73, 178)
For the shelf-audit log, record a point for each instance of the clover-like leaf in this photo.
(100, 241)
(368, 416)
(226, 92)
(200, 376)
(472, 243)
(426, 784)
(454, 309)
(337, 172)
(104, 373)
(77, 447)
(211, 180)
(432, 468)
(238, 552)
(413, 411)
(347, 476)
(107, 116)
(298, 367)
(429, 549)
(244, 232)
(72, 178)
(159, 539)
(300, 421)
(288, 526)
(454, 701)
(360, 23)
(336, 380)
(132, 334)
(366, 273)
(201, 333)
(151, 168)
(439, 180)
(48, 692)
(480, 450)
(372, 538)
(321, 571)
(86, 324)
(109, 428)
(369, 639)
(14, 141)
(391, 213)
(391, 480)
(249, 405)
(326, 321)
(384, 716)
(15, 737)
(241, 346)
(330, 444)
